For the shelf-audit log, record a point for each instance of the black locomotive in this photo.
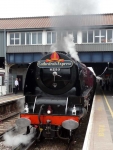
(57, 92)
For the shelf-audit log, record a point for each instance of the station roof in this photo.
(57, 21)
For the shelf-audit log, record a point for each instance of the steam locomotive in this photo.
(58, 90)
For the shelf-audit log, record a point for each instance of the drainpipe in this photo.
(6, 65)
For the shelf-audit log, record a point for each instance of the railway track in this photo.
(8, 123)
(10, 107)
(9, 112)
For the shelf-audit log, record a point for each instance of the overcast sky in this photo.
(29, 8)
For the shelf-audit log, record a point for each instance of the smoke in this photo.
(74, 7)
(20, 104)
(67, 45)
(15, 140)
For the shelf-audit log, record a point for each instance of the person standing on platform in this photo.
(16, 85)
(107, 84)
(103, 84)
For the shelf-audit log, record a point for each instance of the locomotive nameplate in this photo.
(65, 64)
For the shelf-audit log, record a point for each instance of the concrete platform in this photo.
(11, 97)
(99, 131)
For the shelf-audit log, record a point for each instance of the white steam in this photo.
(15, 140)
(67, 45)
(74, 7)
(20, 104)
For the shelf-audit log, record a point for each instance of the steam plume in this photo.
(74, 7)
(15, 140)
(20, 104)
(67, 45)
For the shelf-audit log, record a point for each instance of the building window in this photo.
(84, 37)
(39, 37)
(48, 37)
(36, 37)
(73, 33)
(75, 36)
(97, 35)
(14, 39)
(51, 37)
(109, 36)
(103, 36)
(28, 38)
(22, 38)
(100, 36)
(90, 36)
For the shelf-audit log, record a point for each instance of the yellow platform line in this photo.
(108, 105)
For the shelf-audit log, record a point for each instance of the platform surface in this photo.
(11, 97)
(99, 135)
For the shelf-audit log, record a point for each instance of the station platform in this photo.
(11, 97)
(99, 134)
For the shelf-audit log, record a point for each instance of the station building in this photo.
(27, 39)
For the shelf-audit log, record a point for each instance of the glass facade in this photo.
(35, 38)
(51, 37)
(97, 36)
(26, 38)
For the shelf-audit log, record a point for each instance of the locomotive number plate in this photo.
(54, 69)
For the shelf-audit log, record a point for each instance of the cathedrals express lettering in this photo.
(65, 64)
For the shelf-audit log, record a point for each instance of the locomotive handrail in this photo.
(66, 106)
(34, 104)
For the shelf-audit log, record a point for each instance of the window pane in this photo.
(75, 36)
(22, 37)
(12, 38)
(12, 35)
(84, 36)
(28, 38)
(53, 37)
(109, 36)
(16, 35)
(16, 41)
(48, 37)
(96, 36)
(90, 36)
(103, 36)
(40, 38)
(11, 41)
(34, 38)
